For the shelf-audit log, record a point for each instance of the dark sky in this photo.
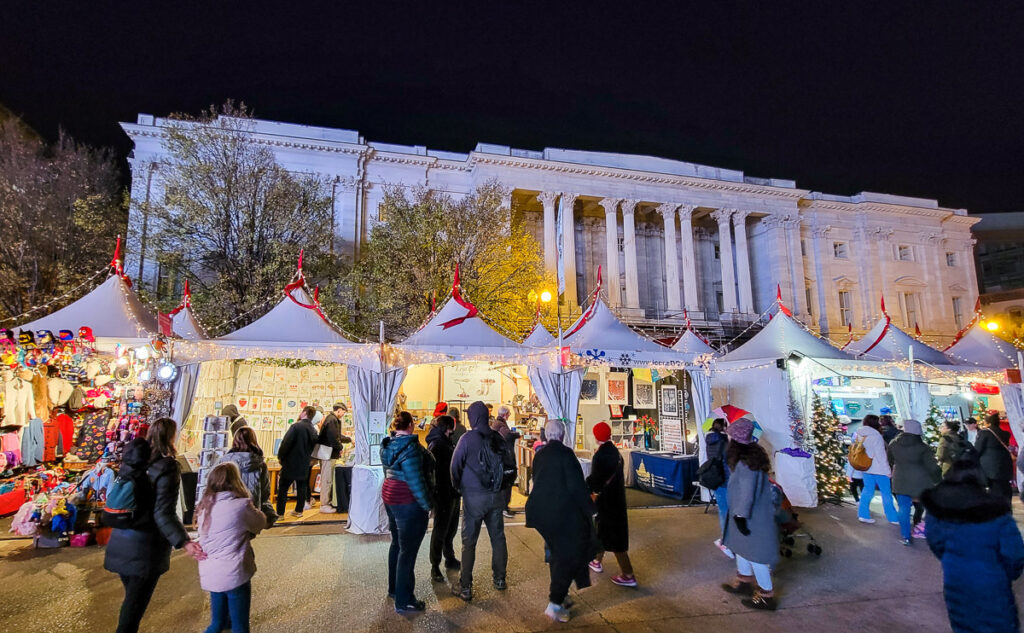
(922, 99)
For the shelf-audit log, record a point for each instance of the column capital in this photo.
(686, 212)
(547, 197)
(667, 210)
(568, 199)
(882, 233)
(611, 205)
(821, 230)
(740, 215)
(776, 220)
(936, 238)
(629, 207)
(722, 216)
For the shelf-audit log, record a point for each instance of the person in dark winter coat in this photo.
(973, 534)
(408, 482)
(501, 427)
(887, 427)
(295, 453)
(993, 446)
(717, 442)
(752, 534)
(140, 555)
(561, 510)
(914, 470)
(608, 486)
(331, 435)
(235, 419)
(952, 445)
(460, 427)
(446, 498)
(248, 456)
(482, 502)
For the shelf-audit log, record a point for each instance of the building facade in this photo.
(999, 259)
(669, 235)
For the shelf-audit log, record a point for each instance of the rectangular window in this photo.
(958, 313)
(621, 244)
(905, 253)
(808, 294)
(718, 251)
(845, 308)
(840, 250)
(803, 248)
(720, 301)
(910, 308)
(951, 259)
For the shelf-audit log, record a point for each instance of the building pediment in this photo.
(843, 282)
(909, 280)
(958, 288)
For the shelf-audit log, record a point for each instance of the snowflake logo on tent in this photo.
(625, 360)
(594, 354)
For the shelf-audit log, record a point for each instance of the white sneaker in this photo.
(557, 613)
(309, 506)
(327, 510)
(863, 520)
(725, 550)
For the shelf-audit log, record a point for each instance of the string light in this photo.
(56, 300)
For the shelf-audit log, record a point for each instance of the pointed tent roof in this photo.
(599, 336)
(463, 333)
(184, 323)
(982, 348)
(691, 343)
(780, 338)
(290, 321)
(885, 341)
(539, 337)
(112, 310)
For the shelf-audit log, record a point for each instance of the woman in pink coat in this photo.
(228, 521)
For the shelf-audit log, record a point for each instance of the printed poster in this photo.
(470, 381)
(280, 375)
(643, 395)
(615, 391)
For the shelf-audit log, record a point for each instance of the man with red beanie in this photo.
(608, 485)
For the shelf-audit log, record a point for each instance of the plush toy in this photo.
(27, 339)
(85, 334)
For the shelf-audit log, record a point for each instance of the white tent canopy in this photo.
(885, 341)
(780, 338)
(983, 349)
(113, 311)
(690, 343)
(539, 337)
(185, 325)
(602, 339)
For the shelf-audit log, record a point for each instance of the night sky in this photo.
(923, 99)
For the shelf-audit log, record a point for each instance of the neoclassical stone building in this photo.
(669, 235)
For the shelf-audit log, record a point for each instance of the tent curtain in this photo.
(184, 392)
(560, 394)
(912, 399)
(370, 391)
(1013, 400)
(700, 390)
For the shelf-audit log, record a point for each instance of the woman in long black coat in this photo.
(559, 507)
(608, 486)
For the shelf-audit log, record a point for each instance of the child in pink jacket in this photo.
(228, 521)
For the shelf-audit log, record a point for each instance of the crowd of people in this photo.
(957, 497)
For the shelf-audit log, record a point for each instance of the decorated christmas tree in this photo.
(931, 430)
(829, 450)
(797, 426)
(979, 411)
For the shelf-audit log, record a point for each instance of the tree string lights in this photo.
(829, 450)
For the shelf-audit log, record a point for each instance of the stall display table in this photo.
(664, 474)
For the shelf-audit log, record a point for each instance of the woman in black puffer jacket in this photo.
(141, 554)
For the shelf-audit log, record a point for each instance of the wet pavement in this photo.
(864, 581)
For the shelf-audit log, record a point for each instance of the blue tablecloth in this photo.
(665, 475)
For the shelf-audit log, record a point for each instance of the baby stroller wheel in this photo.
(789, 540)
(813, 549)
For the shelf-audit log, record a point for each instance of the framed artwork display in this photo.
(669, 401)
(590, 392)
(643, 395)
(615, 391)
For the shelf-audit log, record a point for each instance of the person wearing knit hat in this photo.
(914, 470)
(440, 409)
(608, 488)
(751, 533)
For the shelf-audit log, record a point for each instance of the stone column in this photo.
(548, 199)
(791, 226)
(724, 217)
(883, 239)
(821, 253)
(611, 246)
(739, 220)
(865, 247)
(568, 204)
(629, 247)
(937, 242)
(967, 255)
(689, 272)
(668, 214)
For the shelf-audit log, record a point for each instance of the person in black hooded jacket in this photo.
(993, 446)
(446, 509)
(482, 500)
(140, 555)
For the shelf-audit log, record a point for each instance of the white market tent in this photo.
(184, 323)
(780, 338)
(539, 337)
(690, 343)
(600, 338)
(978, 347)
(886, 342)
(113, 311)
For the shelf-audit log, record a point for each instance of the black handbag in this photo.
(711, 473)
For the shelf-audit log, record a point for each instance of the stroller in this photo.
(790, 528)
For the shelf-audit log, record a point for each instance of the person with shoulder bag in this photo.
(714, 475)
(868, 455)
(914, 470)
(408, 480)
(328, 448)
(995, 456)
(952, 445)
(139, 550)
(248, 456)
(608, 488)
(295, 453)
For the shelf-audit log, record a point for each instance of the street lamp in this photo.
(545, 296)
(992, 326)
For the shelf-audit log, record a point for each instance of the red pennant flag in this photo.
(302, 251)
(883, 307)
(917, 330)
(166, 326)
(471, 310)
(778, 299)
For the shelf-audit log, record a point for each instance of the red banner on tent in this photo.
(166, 326)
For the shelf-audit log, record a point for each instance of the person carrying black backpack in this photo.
(952, 446)
(478, 474)
(140, 551)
